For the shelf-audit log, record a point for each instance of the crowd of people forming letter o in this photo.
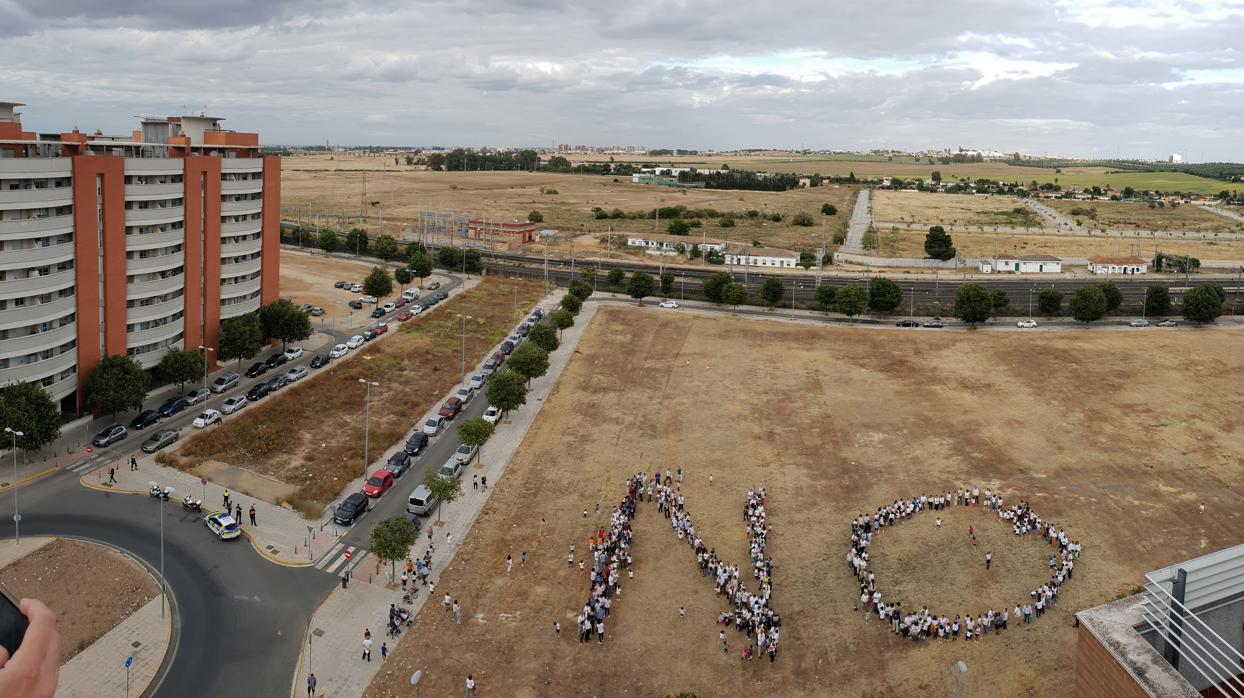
(923, 623)
(609, 550)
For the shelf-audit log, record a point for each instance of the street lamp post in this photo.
(163, 585)
(17, 518)
(367, 424)
(463, 319)
(205, 362)
(1030, 290)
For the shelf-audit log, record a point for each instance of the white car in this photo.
(433, 426)
(296, 373)
(233, 404)
(356, 288)
(477, 381)
(368, 299)
(388, 307)
(465, 394)
(414, 309)
(492, 415)
(1026, 324)
(465, 453)
(293, 353)
(208, 418)
(668, 304)
(355, 342)
(198, 395)
(338, 351)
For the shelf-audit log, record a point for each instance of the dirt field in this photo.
(333, 188)
(1131, 215)
(894, 242)
(952, 209)
(308, 448)
(1115, 436)
(115, 587)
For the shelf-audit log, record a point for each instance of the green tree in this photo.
(476, 432)
(241, 337)
(561, 319)
(938, 244)
(474, 261)
(615, 277)
(1114, 297)
(378, 283)
(852, 300)
(734, 294)
(180, 366)
(1049, 301)
(772, 291)
(695, 249)
(328, 241)
(640, 286)
(385, 248)
(449, 258)
(391, 540)
(714, 284)
(356, 240)
(544, 335)
(678, 227)
(1087, 304)
(26, 407)
(973, 303)
(281, 320)
(535, 217)
(725, 222)
(1000, 299)
(1202, 304)
(506, 390)
(116, 384)
(803, 220)
(529, 360)
(829, 210)
(579, 289)
(413, 248)
(420, 265)
(588, 274)
(1157, 300)
(571, 304)
(667, 283)
(445, 489)
(884, 294)
(825, 296)
(402, 275)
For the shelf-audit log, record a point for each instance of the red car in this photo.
(379, 483)
(380, 328)
(404, 316)
(451, 408)
(399, 302)
(499, 358)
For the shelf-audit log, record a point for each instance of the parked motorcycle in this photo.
(191, 504)
(158, 492)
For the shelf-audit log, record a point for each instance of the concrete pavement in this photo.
(861, 218)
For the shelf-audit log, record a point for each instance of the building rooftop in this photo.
(687, 240)
(1116, 260)
(749, 251)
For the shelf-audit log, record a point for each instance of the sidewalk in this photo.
(335, 634)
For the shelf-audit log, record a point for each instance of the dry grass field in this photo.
(1135, 215)
(319, 450)
(952, 209)
(1116, 436)
(333, 188)
(893, 242)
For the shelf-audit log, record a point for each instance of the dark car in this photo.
(356, 304)
(425, 303)
(539, 313)
(350, 509)
(110, 435)
(506, 347)
(339, 284)
(368, 335)
(173, 405)
(434, 285)
(257, 369)
(416, 443)
(377, 313)
(145, 419)
(398, 463)
(320, 360)
(441, 296)
(277, 383)
(257, 392)
(935, 324)
(451, 408)
(159, 440)
(523, 329)
(906, 323)
(275, 360)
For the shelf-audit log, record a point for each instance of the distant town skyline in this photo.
(1089, 78)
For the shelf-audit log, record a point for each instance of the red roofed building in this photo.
(510, 233)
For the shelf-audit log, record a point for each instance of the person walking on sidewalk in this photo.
(988, 559)
(483, 482)
(112, 476)
(475, 482)
(367, 645)
(470, 686)
(311, 685)
(253, 516)
(133, 463)
(384, 651)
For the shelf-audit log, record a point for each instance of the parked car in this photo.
(350, 509)
(276, 360)
(257, 392)
(320, 360)
(355, 342)
(1139, 323)
(434, 285)
(477, 381)
(388, 307)
(507, 347)
(340, 284)
(380, 328)
(404, 316)
(257, 369)
(110, 435)
(173, 405)
(224, 382)
(378, 313)
(489, 367)
(433, 426)
(452, 468)
(369, 334)
(379, 483)
(523, 329)
(293, 353)
(368, 299)
(305, 307)
(356, 304)
(492, 415)
(441, 295)
(399, 302)
(222, 525)
(416, 443)
(465, 453)
(296, 373)
(906, 323)
(1167, 323)
(159, 440)
(415, 309)
(197, 395)
(465, 394)
(145, 419)
(934, 324)
(277, 382)
(538, 312)
(338, 351)
(499, 357)
(398, 463)
(356, 288)
(1026, 324)
(317, 311)
(233, 404)
(668, 304)
(421, 502)
(206, 419)
(451, 408)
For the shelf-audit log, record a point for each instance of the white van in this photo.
(410, 294)
(421, 502)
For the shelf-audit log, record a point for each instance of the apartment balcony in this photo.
(155, 334)
(37, 312)
(236, 249)
(242, 289)
(152, 264)
(155, 287)
(154, 192)
(241, 165)
(238, 208)
(155, 311)
(36, 256)
(147, 241)
(241, 228)
(236, 309)
(36, 168)
(37, 227)
(155, 166)
(32, 343)
(50, 283)
(153, 216)
(245, 186)
(62, 388)
(39, 369)
(36, 198)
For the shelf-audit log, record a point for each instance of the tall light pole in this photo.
(17, 518)
(367, 424)
(206, 363)
(463, 319)
(163, 585)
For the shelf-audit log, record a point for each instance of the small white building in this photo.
(1023, 264)
(762, 257)
(1118, 265)
(664, 244)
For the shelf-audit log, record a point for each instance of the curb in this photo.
(273, 558)
(30, 478)
(306, 635)
(103, 488)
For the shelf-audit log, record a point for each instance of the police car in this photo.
(223, 525)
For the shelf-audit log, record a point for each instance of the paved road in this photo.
(861, 218)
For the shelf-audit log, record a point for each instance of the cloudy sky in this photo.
(1078, 77)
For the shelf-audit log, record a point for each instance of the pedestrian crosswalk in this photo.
(86, 465)
(341, 558)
